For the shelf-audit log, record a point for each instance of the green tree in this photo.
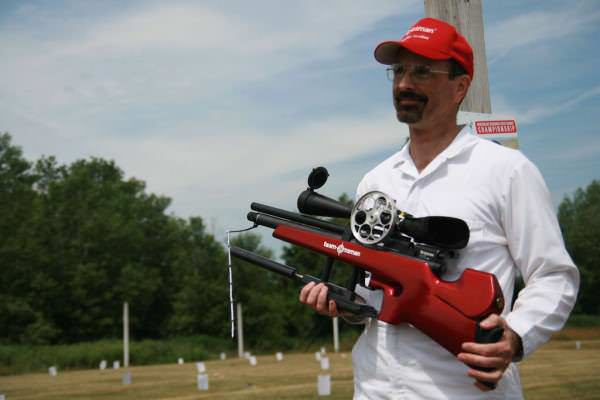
(76, 241)
(17, 258)
(200, 301)
(579, 219)
(102, 241)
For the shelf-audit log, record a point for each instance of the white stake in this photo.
(125, 334)
(202, 382)
(240, 329)
(324, 385)
(126, 378)
(336, 335)
(200, 367)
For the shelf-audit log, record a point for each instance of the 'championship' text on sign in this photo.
(495, 127)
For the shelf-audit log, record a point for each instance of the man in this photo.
(444, 169)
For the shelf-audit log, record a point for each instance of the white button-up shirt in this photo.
(513, 228)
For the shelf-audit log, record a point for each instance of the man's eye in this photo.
(399, 70)
(421, 71)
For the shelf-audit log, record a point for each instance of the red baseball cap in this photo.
(430, 38)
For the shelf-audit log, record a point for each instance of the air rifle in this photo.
(404, 255)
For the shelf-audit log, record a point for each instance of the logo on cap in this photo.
(430, 38)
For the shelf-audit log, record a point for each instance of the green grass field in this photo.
(557, 371)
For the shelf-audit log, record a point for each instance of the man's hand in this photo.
(493, 356)
(315, 296)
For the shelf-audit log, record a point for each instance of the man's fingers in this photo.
(492, 321)
(484, 349)
(500, 350)
(475, 360)
(313, 294)
(305, 292)
(492, 376)
(322, 304)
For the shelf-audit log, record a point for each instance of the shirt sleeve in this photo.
(536, 245)
(361, 189)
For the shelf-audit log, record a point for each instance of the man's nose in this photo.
(404, 81)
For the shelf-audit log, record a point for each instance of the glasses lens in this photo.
(421, 72)
(389, 72)
(395, 71)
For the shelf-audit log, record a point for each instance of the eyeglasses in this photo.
(418, 72)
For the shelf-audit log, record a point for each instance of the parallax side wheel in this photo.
(373, 217)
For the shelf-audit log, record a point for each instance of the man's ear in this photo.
(463, 82)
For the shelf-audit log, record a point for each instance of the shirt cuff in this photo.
(523, 329)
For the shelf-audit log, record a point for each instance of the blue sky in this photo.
(219, 103)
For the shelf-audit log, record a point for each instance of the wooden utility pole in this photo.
(467, 17)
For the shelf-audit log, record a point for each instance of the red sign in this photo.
(496, 127)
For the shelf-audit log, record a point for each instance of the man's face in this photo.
(421, 98)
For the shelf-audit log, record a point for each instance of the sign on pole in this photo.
(497, 127)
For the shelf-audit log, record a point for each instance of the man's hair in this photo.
(456, 69)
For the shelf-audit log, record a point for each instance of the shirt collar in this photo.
(463, 141)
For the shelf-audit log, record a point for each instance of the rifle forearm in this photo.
(343, 297)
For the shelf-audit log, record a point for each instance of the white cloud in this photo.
(168, 54)
(115, 87)
(530, 28)
(548, 110)
(247, 157)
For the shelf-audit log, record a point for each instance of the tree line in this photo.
(78, 240)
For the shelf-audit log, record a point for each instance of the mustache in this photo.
(410, 96)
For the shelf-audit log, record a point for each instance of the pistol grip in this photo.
(487, 336)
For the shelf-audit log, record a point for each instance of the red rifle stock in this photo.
(448, 312)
